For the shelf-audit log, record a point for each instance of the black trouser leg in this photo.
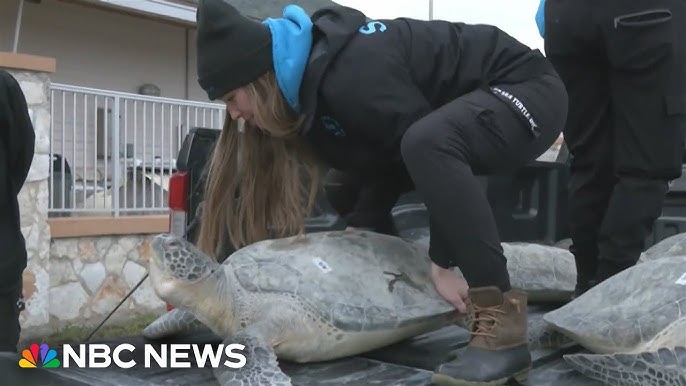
(12, 264)
(648, 86)
(588, 131)
(462, 226)
(625, 76)
(624, 230)
(479, 133)
(9, 319)
(343, 191)
(590, 189)
(476, 134)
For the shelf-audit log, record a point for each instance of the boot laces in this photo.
(486, 318)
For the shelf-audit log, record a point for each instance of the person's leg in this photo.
(476, 134)
(646, 44)
(12, 265)
(9, 318)
(342, 192)
(480, 134)
(572, 45)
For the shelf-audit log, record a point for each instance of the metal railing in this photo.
(112, 152)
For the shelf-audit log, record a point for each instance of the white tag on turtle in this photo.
(321, 264)
(681, 280)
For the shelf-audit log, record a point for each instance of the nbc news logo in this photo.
(99, 355)
(39, 357)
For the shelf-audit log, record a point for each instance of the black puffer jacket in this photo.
(17, 140)
(367, 81)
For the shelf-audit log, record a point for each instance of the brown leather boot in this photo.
(498, 350)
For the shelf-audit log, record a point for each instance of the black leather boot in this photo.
(498, 350)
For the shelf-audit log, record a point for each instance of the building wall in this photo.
(107, 50)
(79, 281)
(112, 51)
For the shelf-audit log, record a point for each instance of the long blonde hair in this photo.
(270, 188)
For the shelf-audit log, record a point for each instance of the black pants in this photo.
(342, 192)
(476, 134)
(9, 318)
(12, 264)
(623, 63)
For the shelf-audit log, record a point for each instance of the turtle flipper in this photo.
(174, 322)
(543, 336)
(548, 339)
(662, 367)
(261, 367)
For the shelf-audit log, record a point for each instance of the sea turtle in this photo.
(674, 245)
(664, 365)
(546, 273)
(633, 324)
(313, 298)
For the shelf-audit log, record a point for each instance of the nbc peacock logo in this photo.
(30, 357)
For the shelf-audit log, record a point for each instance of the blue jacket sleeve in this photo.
(540, 18)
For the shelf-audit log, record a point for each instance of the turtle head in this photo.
(177, 264)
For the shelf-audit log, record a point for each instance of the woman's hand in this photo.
(453, 288)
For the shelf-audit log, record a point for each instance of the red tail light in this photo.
(178, 203)
(178, 206)
(178, 191)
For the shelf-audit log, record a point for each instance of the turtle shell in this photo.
(674, 245)
(356, 280)
(628, 311)
(546, 273)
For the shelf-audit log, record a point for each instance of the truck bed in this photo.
(406, 363)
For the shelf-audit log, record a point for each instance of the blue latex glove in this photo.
(540, 18)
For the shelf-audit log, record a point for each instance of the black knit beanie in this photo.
(232, 49)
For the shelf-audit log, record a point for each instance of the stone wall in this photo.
(89, 276)
(83, 280)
